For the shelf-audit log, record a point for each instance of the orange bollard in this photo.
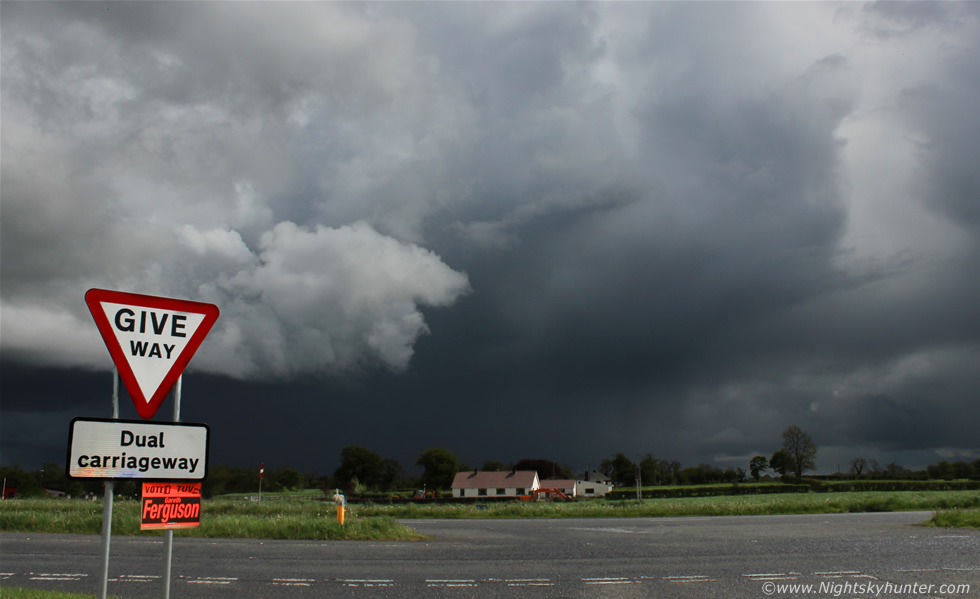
(341, 502)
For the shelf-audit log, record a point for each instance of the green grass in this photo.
(305, 519)
(956, 519)
(15, 593)
(282, 519)
(741, 505)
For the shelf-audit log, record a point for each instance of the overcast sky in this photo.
(514, 230)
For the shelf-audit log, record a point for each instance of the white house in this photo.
(509, 483)
(587, 488)
(514, 483)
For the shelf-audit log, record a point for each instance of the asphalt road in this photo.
(846, 555)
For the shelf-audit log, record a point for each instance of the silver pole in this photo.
(168, 535)
(107, 500)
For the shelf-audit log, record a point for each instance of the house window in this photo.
(482, 492)
(520, 491)
(501, 491)
(590, 491)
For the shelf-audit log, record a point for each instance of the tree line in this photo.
(364, 471)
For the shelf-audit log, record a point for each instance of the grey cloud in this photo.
(668, 214)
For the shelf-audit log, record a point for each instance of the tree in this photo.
(858, 465)
(440, 467)
(943, 470)
(361, 464)
(28, 484)
(801, 449)
(650, 470)
(894, 471)
(780, 462)
(290, 480)
(620, 469)
(757, 466)
(494, 466)
(230, 479)
(391, 471)
(962, 469)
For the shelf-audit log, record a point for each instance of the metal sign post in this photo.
(107, 500)
(168, 535)
(151, 340)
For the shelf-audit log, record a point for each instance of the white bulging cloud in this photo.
(327, 299)
(311, 300)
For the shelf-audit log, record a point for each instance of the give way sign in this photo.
(151, 340)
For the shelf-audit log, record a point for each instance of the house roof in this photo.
(558, 484)
(475, 479)
(594, 476)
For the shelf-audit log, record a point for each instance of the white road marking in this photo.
(772, 576)
(293, 582)
(210, 580)
(137, 578)
(608, 581)
(450, 582)
(688, 579)
(529, 582)
(368, 582)
(53, 576)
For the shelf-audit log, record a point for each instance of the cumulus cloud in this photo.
(159, 163)
(321, 300)
(326, 300)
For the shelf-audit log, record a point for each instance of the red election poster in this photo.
(171, 505)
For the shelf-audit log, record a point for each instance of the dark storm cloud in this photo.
(512, 230)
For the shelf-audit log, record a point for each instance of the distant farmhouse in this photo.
(516, 483)
(593, 484)
(509, 483)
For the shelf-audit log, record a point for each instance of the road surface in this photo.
(843, 555)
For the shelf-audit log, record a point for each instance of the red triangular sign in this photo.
(151, 340)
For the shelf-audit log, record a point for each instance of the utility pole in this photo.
(639, 492)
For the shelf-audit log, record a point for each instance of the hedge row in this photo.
(712, 491)
(895, 485)
(806, 487)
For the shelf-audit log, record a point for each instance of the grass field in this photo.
(306, 519)
(283, 519)
(956, 519)
(9, 593)
(744, 505)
